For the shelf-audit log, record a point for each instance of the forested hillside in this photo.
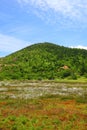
(44, 61)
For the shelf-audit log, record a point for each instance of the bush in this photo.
(73, 76)
(65, 73)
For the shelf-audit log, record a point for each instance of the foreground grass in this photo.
(49, 113)
(50, 105)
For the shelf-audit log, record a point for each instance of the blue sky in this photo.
(24, 22)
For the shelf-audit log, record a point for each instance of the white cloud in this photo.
(10, 44)
(80, 47)
(75, 10)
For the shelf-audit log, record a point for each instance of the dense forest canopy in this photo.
(44, 61)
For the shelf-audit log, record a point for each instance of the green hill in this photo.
(44, 61)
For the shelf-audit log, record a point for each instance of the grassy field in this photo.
(43, 105)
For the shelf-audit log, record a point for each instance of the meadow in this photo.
(43, 105)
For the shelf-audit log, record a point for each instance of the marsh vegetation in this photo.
(43, 105)
(32, 89)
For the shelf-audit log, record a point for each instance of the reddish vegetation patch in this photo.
(53, 112)
(2, 103)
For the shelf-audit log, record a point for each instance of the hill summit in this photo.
(44, 61)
